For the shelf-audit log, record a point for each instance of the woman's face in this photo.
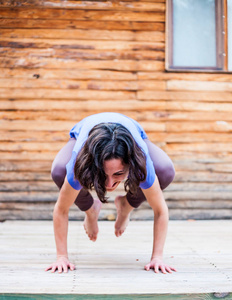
(116, 171)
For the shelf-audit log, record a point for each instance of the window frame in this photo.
(221, 41)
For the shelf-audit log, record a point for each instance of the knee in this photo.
(166, 175)
(58, 174)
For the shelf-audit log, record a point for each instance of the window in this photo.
(199, 35)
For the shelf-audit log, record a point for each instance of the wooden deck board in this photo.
(200, 250)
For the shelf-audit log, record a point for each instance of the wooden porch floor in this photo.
(200, 250)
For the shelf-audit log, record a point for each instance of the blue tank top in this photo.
(81, 130)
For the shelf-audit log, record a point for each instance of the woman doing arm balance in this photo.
(104, 150)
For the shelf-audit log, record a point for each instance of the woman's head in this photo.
(110, 155)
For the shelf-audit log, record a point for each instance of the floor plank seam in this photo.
(227, 277)
(74, 281)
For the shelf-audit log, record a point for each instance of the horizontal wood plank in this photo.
(177, 96)
(81, 34)
(61, 126)
(52, 63)
(79, 44)
(201, 187)
(84, 54)
(82, 85)
(24, 166)
(185, 115)
(30, 136)
(69, 94)
(184, 85)
(67, 74)
(151, 115)
(196, 199)
(81, 24)
(218, 126)
(29, 156)
(25, 176)
(28, 186)
(30, 146)
(87, 105)
(190, 76)
(28, 197)
(93, 5)
(102, 15)
(199, 147)
(210, 176)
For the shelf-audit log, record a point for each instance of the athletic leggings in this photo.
(163, 167)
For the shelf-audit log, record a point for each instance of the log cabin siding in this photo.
(61, 61)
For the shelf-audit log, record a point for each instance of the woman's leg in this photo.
(84, 199)
(58, 171)
(164, 167)
(164, 170)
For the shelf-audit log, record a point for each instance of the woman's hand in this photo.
(62, 264)
(157, 264)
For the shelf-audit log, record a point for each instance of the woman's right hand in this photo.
(62, 264)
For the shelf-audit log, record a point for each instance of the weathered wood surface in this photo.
(89, 35)
(51, 13)
(62, 61)
(199, 250)
(82, 24)
(158, 5)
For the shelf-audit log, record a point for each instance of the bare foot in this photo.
(90, 222)
(123, 214)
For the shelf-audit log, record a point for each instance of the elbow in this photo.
(162, 212)
(60, 210)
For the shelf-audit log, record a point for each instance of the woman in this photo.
(104, 150)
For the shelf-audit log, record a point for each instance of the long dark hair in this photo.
(107, 141)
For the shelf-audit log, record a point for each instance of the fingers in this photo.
(147, 267)
(173, 269)
(163, 269)
(65, 268)
(48, 268)
(61, 267)
(159, 267)
(156, 268)
(169, 269)
(71, 267)
(56, 267)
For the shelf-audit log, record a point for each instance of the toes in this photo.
(118, 232)
(93, 237)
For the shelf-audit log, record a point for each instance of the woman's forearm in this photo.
(60, 223)
(159, 234)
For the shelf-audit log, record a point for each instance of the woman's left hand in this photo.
(158, 264)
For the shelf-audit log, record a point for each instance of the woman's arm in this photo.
(66, 198)
(156, 200)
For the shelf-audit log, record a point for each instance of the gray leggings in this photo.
(163, 167)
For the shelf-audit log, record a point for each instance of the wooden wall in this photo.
(64, 60)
